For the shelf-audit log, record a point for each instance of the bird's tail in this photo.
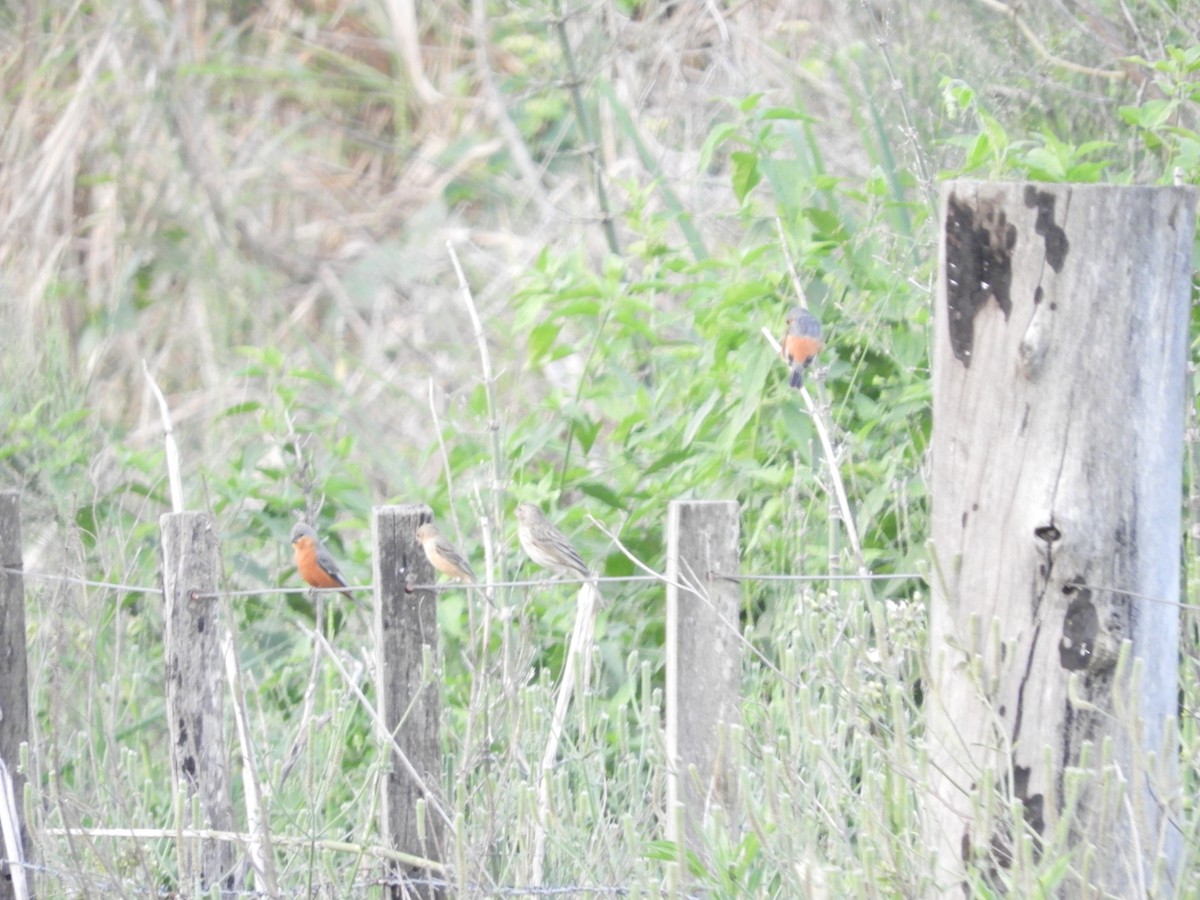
(797, 378)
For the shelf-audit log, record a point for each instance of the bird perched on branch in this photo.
(545, 544)
(442, 555)
(801, 343)
(314, 561)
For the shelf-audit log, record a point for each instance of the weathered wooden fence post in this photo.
(14, 685)
(703, 662)
(1061, 342)
(409, 693)
(195, 692)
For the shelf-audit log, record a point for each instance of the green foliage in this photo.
(674, 393)
(1160, 121)
(1041, 157)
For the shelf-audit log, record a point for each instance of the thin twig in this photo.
(578, 654)
(590, 140)
(13, 846)
(402, 15)
(583, 382)
(304, 474)
(694, 585)
(835, 476)
(445, 455)
(1040, 49)
(489, 385)
(818, 419)
(529, 171)
(262, 856)
(909, 130)
(384, 733)
(173, 475)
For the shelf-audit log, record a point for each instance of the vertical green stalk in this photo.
(591, 143)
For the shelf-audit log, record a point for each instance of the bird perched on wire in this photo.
(545, 544)
(314, 561)
(801, 343)
(442, 555)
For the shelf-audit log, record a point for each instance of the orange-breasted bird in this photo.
(442, 555)
(801, 343)
(314, 562)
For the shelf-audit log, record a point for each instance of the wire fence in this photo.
(458, 586)
(517, 658)
(815, 676)
(73, 880)
(447, 587)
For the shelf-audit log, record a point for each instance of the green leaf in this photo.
(586, 430)
(1150, 115)
(787, 114)
(668, 851)
(745, 173)
(698, 417)
(240, 408)
(542, 338)
(715, 139)
(667, 460)
(602, 492)
(750, 103)
(828, 225)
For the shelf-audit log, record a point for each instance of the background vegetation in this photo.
(256, 202)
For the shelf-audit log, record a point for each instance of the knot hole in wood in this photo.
(1048, 533)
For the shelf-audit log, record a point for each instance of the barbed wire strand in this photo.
(442, 587)
(83, 582)
(240, 837)
(100, 883)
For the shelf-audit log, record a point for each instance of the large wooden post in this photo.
(1060, 346)
(14, 689)
(703, 662)
(195, 692)
(410, 700)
